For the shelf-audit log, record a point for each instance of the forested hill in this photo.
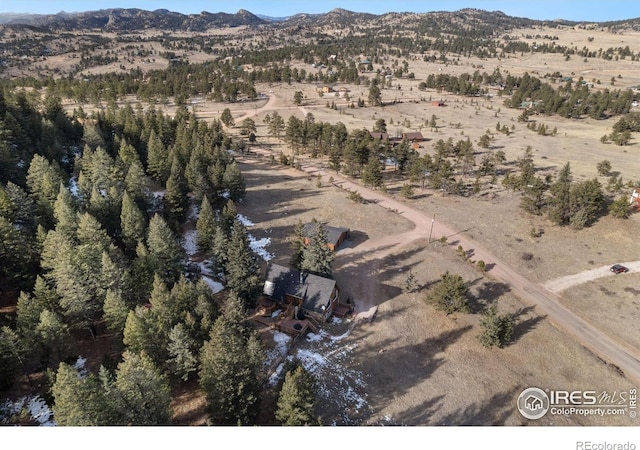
(119, 19)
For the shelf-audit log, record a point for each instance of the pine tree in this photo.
(296, 401)
(233, 181)
(229, 216)
(496, 329)
(132, 223)
(144, 397)
(158, 165)
(55, 337)
(450, 294)
(115, 312)
(560, 202)
(143, 333)
(182, 361)
(18, 255)
(241, 267)
(9, 357)
(372, 173)
(176, 201)
(229, 364)
(22, 208)
(138, 186)
(316, 256)
(65, 214)
(166, 254)
(43, 182)
(297, 245)
(206, 226)
(78, 401)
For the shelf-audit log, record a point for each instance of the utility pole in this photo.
(431, 231)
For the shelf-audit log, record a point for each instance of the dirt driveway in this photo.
(414, 365)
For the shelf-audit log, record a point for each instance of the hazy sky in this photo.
(587, 10)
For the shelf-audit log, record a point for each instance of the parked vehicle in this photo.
(617, 268)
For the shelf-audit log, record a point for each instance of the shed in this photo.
(335, 235)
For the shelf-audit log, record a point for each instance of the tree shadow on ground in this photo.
(494, 411)
(488, 293)
(523, 324)
(415, 363)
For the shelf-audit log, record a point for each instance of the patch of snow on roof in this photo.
(258, 247)
(245, 221)
(189, 242)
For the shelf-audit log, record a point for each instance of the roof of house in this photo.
(314, 291)
(333, 233)
(381, 136)
(413, 136)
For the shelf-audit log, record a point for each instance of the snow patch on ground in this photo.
(194, 212)
(189, 242)
(283, 342)
(245, 221)
(343, 390)
(80, 367)
(258, 247)
(38, 410)
(73, 187)
(214, 285)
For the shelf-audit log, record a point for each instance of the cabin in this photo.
(335, 235)
(383, 137)
(303, 295)
(414, 136)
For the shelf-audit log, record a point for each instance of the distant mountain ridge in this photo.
(132, 19)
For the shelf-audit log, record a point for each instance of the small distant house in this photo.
(327, 89)
(335, 235)
(437, 103)
(307, 295)
(384, 137)
(414, 136)
(528, 104)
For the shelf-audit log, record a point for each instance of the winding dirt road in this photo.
(614, 352)
(617, 353)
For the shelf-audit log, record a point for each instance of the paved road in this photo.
(627, 359)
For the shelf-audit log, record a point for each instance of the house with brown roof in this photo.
(335, 235)
(304, 295)
(414, 136)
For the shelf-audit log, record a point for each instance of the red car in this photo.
(617, 268)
